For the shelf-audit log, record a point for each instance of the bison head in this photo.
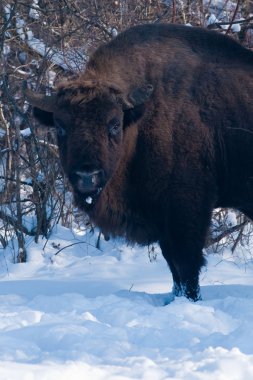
(89, 120)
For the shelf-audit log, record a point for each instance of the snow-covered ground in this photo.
(105, 314)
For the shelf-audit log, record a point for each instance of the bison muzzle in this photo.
(155, 133)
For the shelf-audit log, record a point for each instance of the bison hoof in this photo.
(177, 290)
(184, 291)
(192, 294)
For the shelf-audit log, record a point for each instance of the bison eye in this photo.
(114, 127)
(60, 130)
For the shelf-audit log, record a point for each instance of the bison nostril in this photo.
(84, 173)
(87, 181)
(88, 174)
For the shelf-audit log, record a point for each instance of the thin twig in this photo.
(233, 18)
(229, 231)
(217, 24)
(79, 242)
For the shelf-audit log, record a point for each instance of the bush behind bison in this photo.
(155, 134)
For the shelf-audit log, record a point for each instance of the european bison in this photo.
(156, 133)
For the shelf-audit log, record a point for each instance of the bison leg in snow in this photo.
(185, 267)
(182, 247)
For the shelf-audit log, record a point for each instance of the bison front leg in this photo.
(182, 246)
(177, 289)
(185, 266)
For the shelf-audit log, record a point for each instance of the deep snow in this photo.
(105, 314)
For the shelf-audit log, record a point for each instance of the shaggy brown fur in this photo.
(157, 132)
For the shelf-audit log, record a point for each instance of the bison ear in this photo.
(136, 104)
(43, 106)
(44, 117)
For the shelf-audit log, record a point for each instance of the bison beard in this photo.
(156, 133)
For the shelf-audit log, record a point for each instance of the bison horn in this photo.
(41, 101)
(141, 94)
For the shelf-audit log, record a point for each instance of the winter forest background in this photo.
(73, 305)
